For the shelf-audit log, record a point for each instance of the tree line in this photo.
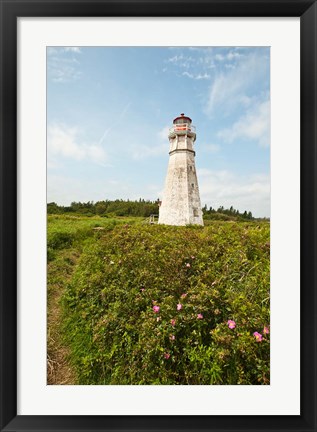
(118, 207)
(141, 208)
(222, 213)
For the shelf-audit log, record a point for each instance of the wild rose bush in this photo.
(172, 305)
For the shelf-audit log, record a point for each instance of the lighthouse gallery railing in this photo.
(182, 128)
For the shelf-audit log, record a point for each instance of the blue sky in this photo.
(109, 110)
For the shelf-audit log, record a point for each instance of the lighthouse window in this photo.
(193, 185)
(195, 210)
(190, 167)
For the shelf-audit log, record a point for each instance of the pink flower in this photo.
(172, 337)
(258, 337)
(167, 355)
(156, 309)
(173, 322)
(266, 330)
(142, 289)
(183, 295)
(179, 306)
(187, 265)
(199, 316)
(192, 257)
(231, 324)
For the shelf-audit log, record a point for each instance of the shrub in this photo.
(171, 305)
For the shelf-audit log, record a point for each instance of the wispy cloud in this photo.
(58, 50)
(63, 70)
(153, 148)
(76, 50)
(115, 123)
(253, 126)
(234, 55)
(234, 88)
(192, 62)
(62, 64)
(220, 57)
(65, 188)
(224, 188)
(180, 59)
(205, 63)
(64, 141)
(196, 77)
(231, 55)
(163, 133)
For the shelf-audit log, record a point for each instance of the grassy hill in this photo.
(153, 304)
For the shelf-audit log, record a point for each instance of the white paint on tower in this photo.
(181, 202)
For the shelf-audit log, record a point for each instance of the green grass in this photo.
(67, 235)
(220, 271)
(64, 231)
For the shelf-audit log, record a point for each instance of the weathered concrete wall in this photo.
(181, 202)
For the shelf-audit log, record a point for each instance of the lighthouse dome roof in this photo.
(182, 119)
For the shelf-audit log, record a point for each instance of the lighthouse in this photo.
(181, 202)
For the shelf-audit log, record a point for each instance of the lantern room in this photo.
(182, 125)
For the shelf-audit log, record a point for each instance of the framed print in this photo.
(131, 297)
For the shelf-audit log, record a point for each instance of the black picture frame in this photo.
(10, 11)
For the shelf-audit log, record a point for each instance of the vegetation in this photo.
(164, 305)
(67, 230)
(139, 208)
(225, 214)
(107, 208)
(59, 273)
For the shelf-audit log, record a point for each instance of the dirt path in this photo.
(59, 271)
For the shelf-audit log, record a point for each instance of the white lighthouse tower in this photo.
(181, 202)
